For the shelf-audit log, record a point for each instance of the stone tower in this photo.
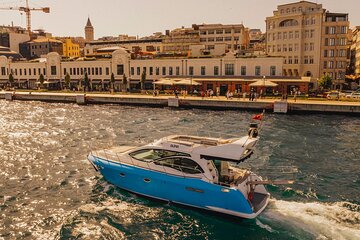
(89, 31)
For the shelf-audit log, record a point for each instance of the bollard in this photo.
(280, 107)
(173, 102)
(81, 99)
(9, 96)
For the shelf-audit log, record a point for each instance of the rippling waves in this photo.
(48, 190)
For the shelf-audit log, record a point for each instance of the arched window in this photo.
(308, 74)
(288, 23)
(294, 9)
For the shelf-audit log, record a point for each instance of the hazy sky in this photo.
(143, 17)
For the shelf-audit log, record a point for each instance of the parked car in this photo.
(333, 96)
(355, 95)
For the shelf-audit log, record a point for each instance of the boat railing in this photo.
(206, 133)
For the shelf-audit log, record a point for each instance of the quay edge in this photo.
(162, 101)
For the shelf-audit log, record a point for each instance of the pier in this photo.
(291, 106)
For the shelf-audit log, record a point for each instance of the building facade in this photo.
(223, 73)
(294, 32)
(235, 36)
(355, 53)
(39, 47)
(89, 31)
(70, 49)
(309, 38)
(334, 45)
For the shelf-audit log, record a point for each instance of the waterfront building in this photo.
(70, 49)
(89, 31)
(355, 53)
(179, 40)
(235, 36)
(224, 73)
(40, 46)
(300, 33)
(334, 46)
(11, 37)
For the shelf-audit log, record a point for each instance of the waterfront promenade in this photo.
(298, 106)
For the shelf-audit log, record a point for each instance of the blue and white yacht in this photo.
(195, 171)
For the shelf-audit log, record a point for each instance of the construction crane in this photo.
(27, 11)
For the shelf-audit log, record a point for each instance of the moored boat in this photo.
(189, 170)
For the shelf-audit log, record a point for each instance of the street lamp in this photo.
(264, 85)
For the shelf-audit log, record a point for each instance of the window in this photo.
(331, 41)
(227, 31)
(216, 70)
(243, 70)
(219, 39)
(290, 47)
(312, 33)
(92, 71)
(202, 39)
(290, 61)
(325, 53)
(3, 71)
(325, 64)
(157, 71)
(202, 70)
(331, 64)
(211, 39)
(229, 69)
(311, 47)
(331, 53)
(257, 70)
(306, 60)
(332, 30)
(151, 71)
(211, 32)
(297, 35)
(191, 71)
(181, 164)
(53, 70)
(163, 71)
(272, 71)
(284, 48)
(97, 71)
(100, 71)
(177, 71)
(291, 35)
(311, 60)
(296, 60)
(343, 29)
(342, 41)
(149, 155)
(170, 71)
(24, 71)
(285, 35)
(219, 31)
(313, 20)
(132, 71)
(120, 69)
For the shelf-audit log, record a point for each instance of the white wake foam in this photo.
(340, 220)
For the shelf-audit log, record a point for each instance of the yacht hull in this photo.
(187, 191)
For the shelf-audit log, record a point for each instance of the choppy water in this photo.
(48, 190)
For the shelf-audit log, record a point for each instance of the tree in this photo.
(41, 80)
(124, 80)
(86, 81)
(67, 80)
(112, 81)
(142, 80)
(11, 79)
(325, 82)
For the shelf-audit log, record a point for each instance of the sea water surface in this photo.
(48, 190)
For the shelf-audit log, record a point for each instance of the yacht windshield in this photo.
(149, 155)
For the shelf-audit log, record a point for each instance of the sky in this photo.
(144, 17)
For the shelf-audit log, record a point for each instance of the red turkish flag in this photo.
(257, 117)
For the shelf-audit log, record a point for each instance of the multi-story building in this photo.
(355, 53)
(179, 40)
(11, 37)
(70, 49)
(334, 45)
(89, 31)
(224, 73)
(41, 46)
(235, 36)
(294, 32)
